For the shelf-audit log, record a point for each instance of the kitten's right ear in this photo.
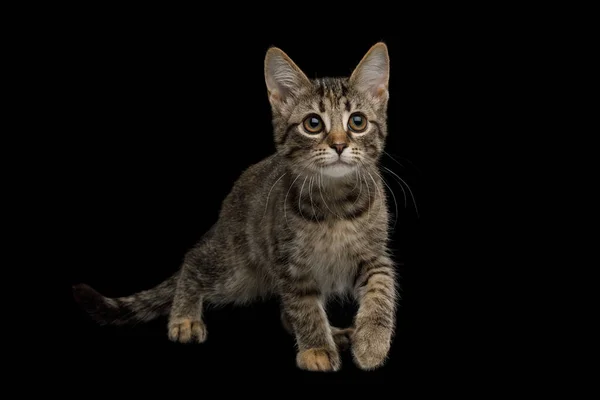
(372, 74)
(283, 78)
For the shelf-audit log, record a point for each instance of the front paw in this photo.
(318, 359)
(184, 330)
(370, 345)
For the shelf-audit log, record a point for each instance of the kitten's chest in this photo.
(332, 251)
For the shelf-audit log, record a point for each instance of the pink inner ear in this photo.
(274, 96)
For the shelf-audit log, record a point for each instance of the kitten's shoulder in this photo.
(262, 169)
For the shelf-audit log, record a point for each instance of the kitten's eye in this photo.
(313, 124)
(357, 122)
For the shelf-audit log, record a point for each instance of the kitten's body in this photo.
(275, 234)
(295, 227)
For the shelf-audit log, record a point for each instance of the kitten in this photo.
(305, 224)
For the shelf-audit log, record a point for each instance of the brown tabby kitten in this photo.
(308, 223)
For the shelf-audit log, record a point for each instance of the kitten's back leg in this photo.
(185, 319)
(341, 337)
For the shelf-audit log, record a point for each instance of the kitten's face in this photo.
(334, 125)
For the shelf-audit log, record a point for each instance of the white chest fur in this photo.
(331, 251)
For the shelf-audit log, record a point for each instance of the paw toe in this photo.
(199, 331)
(185, 330)
(318, 360)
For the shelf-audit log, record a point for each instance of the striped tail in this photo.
(140, 307)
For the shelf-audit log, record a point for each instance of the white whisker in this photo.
(322, 198)
(390, 156)
(394, 196)
(269, 194)
(360, 189)
(369, 194)
(300, 197)
(311, 200)
(285, 201)
(354, 188)
(409, 190)
(376, 186)
(402, 188)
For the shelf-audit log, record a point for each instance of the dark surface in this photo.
(165, 120)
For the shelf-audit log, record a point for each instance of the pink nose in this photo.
(339, 147)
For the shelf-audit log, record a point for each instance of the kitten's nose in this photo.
(339, 147)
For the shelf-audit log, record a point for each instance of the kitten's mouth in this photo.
(339, 161)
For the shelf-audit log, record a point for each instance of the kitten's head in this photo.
(330, 125)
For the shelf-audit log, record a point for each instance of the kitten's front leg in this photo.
(375, 288)
(317, 350)
(341, 337)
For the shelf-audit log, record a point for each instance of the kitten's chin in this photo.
(337, 170)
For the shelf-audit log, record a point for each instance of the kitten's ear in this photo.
(282, 76)
(373, 72)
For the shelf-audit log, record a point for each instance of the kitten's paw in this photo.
(342, 337)
(318, 360)
(370, 346)
(184, 330)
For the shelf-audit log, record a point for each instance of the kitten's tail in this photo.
(140, 307)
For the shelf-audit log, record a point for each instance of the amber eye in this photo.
(357, 122)
(313, 124)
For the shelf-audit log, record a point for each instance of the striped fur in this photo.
(301, 225)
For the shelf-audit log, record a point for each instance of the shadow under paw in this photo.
(342, 337)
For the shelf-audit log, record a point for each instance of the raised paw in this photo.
(184, 330)
(370, 345)
(318, 360)
(342, 337)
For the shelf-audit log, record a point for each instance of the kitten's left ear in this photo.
(373, 72)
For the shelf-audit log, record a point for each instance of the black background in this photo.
(166, 117)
